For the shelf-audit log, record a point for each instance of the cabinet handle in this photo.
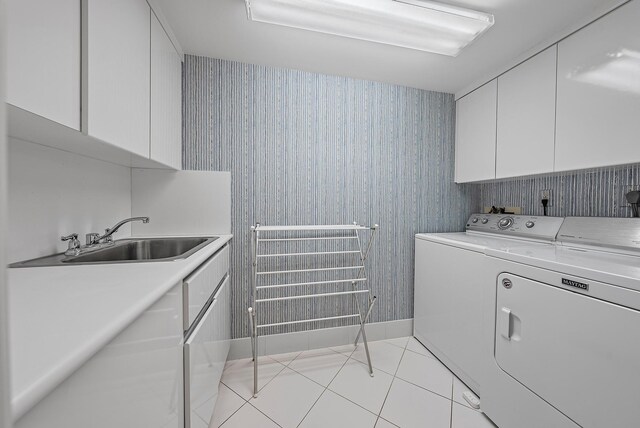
(504, 323)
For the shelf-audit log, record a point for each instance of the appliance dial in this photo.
(529, 224)
(505, 223)
(475, 220)
(485, 220)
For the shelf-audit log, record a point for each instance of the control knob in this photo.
(475, 220)
(485, 220)
(529, 224)
(505, 223)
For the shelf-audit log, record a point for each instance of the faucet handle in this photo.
(108, 237)
(70, 237)
(74, 244)
(92, 238)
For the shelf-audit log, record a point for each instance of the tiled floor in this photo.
(332, 388)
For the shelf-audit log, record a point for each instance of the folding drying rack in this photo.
(324, 255)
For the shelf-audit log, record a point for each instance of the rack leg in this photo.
(253, 340)
(255, 355)
(364, 335)
(353, 284)
(364, 320)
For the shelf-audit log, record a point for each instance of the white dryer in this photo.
(564, 329)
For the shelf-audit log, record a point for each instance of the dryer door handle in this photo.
(504, 323)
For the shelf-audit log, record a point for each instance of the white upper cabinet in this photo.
(116, 108)
(526, 117)
(43, 58)
(476, 134)
(598, 109)
(166, 98)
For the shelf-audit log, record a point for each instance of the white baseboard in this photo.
(320, 338)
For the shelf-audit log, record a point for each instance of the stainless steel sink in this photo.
(132, 250)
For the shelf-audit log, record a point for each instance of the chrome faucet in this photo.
(74, 245)
(96, 238)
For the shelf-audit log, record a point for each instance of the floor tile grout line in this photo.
(423, 388)
(391, 385)
(325, 387)
(235, 411)
(316, 382)
(352, 402)
(265, 415)
(312, 406)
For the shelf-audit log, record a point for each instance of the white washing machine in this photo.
(563, 332)
(453, 281)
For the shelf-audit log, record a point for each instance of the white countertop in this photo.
(60, 316)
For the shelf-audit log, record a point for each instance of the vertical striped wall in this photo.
(597, 192)
(305, 148)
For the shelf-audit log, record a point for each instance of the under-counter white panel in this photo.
(181, 202)
(200, 285)
(132, 382)
(599, 93)
(205, 354)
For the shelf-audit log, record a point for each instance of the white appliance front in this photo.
(577, 352)
(448, 307)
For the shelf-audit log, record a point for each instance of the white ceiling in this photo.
(220, 29)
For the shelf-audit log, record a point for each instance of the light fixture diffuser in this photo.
(413, 24)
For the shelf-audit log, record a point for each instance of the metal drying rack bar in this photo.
(259, 254)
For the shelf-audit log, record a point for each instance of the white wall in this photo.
(181, 202)
(54, 193)
(5, 420)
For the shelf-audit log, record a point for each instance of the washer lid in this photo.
(607, 232)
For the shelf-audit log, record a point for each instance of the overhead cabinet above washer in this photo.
(526, 117)
(599, 93)
(572, 106)
(476, 134)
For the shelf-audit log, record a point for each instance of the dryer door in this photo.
(580, 354)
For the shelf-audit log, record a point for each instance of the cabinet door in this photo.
(200, 285)
(43, 58)
(135, 381)
(205, 353)
(117, 65)
(599, 93)
(527, 117)
(166, 98)
(476, 134)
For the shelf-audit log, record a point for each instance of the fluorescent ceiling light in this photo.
(414, 24)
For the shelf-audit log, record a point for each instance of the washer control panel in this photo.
(516, 225)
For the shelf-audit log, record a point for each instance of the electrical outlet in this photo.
(546, 194)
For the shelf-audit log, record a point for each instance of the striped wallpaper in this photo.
(595, 192)
(305, 148)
